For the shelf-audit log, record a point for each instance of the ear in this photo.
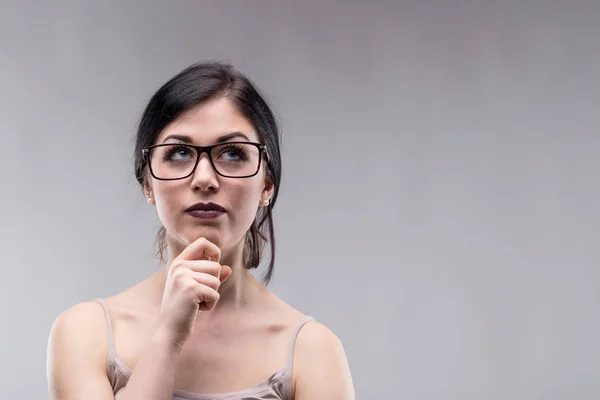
(148, 192)
(268, 190)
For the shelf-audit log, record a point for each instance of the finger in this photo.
(225, 273)
(206, 306)
(201, 248)
(206, 296)
(203, 266)
(205, 279)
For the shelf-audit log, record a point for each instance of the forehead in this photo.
(206, 122)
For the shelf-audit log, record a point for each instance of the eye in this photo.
(233, 152)
(178, 153)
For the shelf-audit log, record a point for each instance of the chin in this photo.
(211, 234)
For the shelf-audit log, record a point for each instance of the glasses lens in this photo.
(175, 161)
(236, 159)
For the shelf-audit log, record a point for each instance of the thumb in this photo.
(225, 273)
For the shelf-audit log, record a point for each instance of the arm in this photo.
(76, 364)
(321, 370)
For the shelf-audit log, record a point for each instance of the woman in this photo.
(207, 157)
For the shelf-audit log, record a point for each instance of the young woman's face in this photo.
(205, 125)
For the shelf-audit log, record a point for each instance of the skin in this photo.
(206, 350)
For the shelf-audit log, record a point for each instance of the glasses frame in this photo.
(204, 149)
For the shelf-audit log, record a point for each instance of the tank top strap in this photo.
(111, 341)
(290, 356)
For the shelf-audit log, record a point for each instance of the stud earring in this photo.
(265, 202)
(149, 200)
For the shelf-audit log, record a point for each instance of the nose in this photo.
(205, 177)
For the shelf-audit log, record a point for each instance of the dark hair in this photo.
(197, 84)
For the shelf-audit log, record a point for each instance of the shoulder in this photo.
(77, 348)
(314, 341)
(81, 318)
(321, 368)
(78, 327)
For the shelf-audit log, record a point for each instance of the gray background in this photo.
(439, 209)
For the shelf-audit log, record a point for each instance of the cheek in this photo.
(168, 203)
(244, 203)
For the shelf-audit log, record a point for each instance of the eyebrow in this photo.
(220, 139)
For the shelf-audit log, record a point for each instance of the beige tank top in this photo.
(278, 386)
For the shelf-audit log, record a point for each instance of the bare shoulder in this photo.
(314, 341)
(79, 327)
(321, 369)
(315, 335)
(76, 354)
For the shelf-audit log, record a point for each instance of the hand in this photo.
(192, 282)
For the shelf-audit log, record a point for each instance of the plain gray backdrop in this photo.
(439, 206)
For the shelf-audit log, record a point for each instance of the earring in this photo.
(149, 200)
(265, 202)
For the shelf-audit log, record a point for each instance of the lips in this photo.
(206, 210)
(206, 207)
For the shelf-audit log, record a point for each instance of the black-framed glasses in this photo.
(171, 161)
